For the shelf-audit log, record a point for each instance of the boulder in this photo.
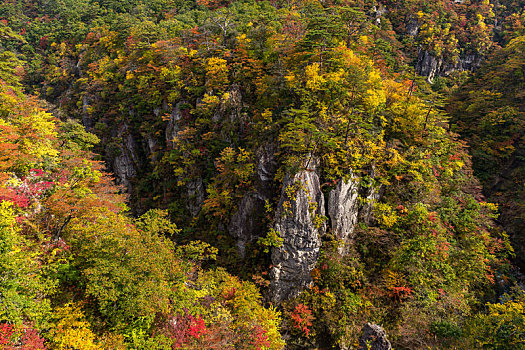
(374, 338)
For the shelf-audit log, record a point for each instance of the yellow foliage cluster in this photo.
(71, 330)
(216, 73)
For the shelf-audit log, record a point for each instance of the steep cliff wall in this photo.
(299, 223)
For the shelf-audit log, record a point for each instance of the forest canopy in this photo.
(179, 174)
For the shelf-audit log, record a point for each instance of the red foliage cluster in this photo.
(31, 188)
(454, 156)
(260, 339)
(197, 327)
(302, 318)
(28, 340)
(6, 331)
(184, 329)
(31, 340)
(43, 42)
(400, 293)
(230, 294)
(213, 4)
(12, 196)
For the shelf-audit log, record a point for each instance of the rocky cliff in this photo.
(299, 221)
(246, 223)
(343, 210)
(430, 66)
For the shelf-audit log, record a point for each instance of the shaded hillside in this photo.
(489, 112)
(78, 272)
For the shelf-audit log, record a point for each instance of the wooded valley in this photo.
(272, 174)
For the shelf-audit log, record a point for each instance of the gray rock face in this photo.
(173, 128)
(266, 167)
(195, 192)
(428, 65)
(151, 147)
(87, 120)
(245, 224)
(372, 195)
(229, 108)
(235, 103)
(469, 62)
(151, 142)
(412, 27)
(125, 163)
(431, 67)
(343, 210)
(374, 338)
(378, 12)
(296, 258)
(295, 222)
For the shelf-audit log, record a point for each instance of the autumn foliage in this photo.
(144, 146)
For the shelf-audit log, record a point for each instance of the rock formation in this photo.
(245, 224)
(343, 209)
(374, 338)
(431, 67)
(196, 193)
(173, 128)
(297, 221)
(125, 162)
